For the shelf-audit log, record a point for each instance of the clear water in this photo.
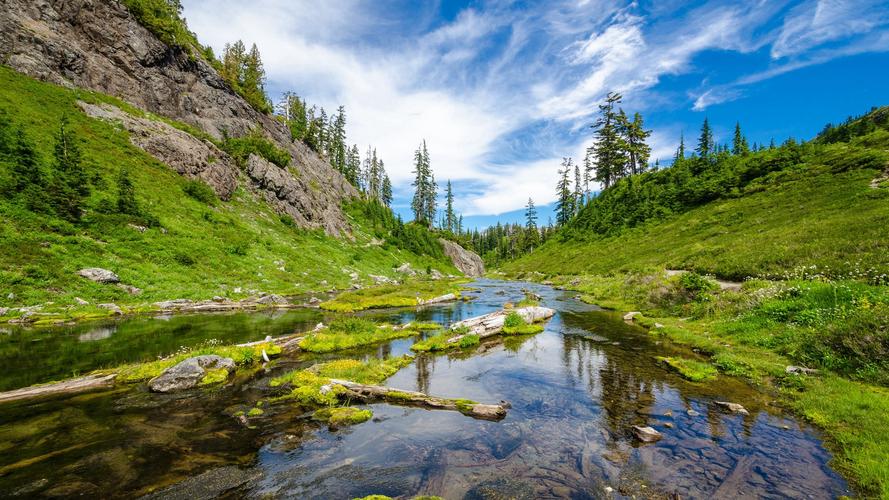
(576, 391)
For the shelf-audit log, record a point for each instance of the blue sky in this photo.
(502, 90)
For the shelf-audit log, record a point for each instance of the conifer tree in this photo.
(739, 142)
(338, 149)
(431, 187)
(450, 217)
(253, 82)
(609, 147)
(530, 215)
(322, 132)
(638, 151)
(421, 173)
(387, 191)
(578, 189)
(564, 197)
(126, 194)
(680, 151)
(706, 143)
(293, 109)
(353, 166)
(69, 184)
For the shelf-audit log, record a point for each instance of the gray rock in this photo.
(406, 269)
(692, 413)
(800, 370)
(436, 274)
(209, 485)
(3, 311)
(646, 434)
(99, 275)
(80, 301)
(189, 373)
(130, 289)
(466, 261)
(272, 299)
(218, 299)
(630, 316)
(732, 407)
(111, 307)
(168, 305)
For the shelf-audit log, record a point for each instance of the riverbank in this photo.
(816, 344)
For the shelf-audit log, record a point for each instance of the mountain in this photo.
(188, 191)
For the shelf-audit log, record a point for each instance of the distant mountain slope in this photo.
(824, 204)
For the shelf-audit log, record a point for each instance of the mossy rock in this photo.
(342, 417)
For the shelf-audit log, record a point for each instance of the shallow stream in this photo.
(576, 391)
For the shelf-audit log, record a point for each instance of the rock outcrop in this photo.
(468, 262)
(189, 373)
(99, 45)
(186, 154)
(99, 275)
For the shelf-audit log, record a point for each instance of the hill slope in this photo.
(826, 209)
(187, 248)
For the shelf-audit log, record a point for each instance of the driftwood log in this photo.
(390, 395)
(492, 324)
(74, 385)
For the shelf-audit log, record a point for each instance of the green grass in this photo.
(138, 372)
(403, 295)
(514, 324)
(807, 216)
(690, 369)
(232, 249)
(347, 333)
(306, 385)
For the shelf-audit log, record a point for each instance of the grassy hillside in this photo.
(823, 210)
(191, 248)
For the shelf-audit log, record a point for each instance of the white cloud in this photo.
(717, 95)
(816, 22)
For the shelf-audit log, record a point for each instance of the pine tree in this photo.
(431, 187)
(69, 186)
(680, 151)
(293, 109)
(368, 173)
(608, 149)
(530, 215)
(739, 142)
(578, 190)
(323, 131)
(387, 191)
(450, 217)
(637, 150)
(705, 147)
(338, 142)
(418, 203)
(353, 166)
(565, 201)
(253, 81)
(126, 194)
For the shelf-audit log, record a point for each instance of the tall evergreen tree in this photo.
(706, 143)
(294, 111)
(739, 142)
(253, 83)
(431, 191)
(680, 151)
(419, 203)
(69, 185)
(337, 147)
(450, 217)
(126, 194)
(578, 189)
(530, 215)
(387, 191)
(353, 166)
(564, 196)
(638, 151)
(608, 149)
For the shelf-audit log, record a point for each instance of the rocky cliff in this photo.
(99, 45)
(465, 260)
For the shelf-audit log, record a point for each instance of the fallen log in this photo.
(368, 393)
(287, 343)
(492, 324)
(80, 384)
(435, 300)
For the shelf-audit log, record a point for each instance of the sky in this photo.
(502, 90)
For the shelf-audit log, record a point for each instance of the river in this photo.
(576, 390)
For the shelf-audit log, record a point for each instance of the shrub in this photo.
(200, 191)
(240, 148)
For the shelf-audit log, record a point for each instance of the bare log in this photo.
(412, 398)
(80, 384)
(435, 300)
(492, 324)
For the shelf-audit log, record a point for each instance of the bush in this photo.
(240, 148)
(200, 191)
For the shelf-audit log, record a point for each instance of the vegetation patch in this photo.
(312, 386)
(342, 417)
(514, 324)
(215, 376)
(407, 294)
(696, 371)
(241, 355)
(240, 148)
(347, 333)
(465, 405)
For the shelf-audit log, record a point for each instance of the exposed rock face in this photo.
(189, 373)
(99, 275)
(189, 156)
(98, 45)
(466, 261)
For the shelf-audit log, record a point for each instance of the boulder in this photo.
(631, 315)
(189, 373)
(733, 407)
(271, 299)
(466, 261)
(99, 275)
(80, 301)
(646, 434)
(436, 274)
(406, 269)
(167, 305)
(130, 289)
(111, 307)
(800, 370)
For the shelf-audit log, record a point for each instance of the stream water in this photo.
(576, 391)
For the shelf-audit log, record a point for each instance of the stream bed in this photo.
(576, 390)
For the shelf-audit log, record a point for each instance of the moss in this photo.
(241, 355)
(306, 384)
(255, 412)
(696, 371)
(465, 405)
(471, 340)
(348, 333)
(341, 417)
(398, 395)
(403, 295)
(215, 376)
(434, 343)
(420, 327)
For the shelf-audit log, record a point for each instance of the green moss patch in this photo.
(341, 417)
(403, 295)
(347, 333)
(312, 386)
(696, 371)
(241, 355)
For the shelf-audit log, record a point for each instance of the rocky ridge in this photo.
(98, 45)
